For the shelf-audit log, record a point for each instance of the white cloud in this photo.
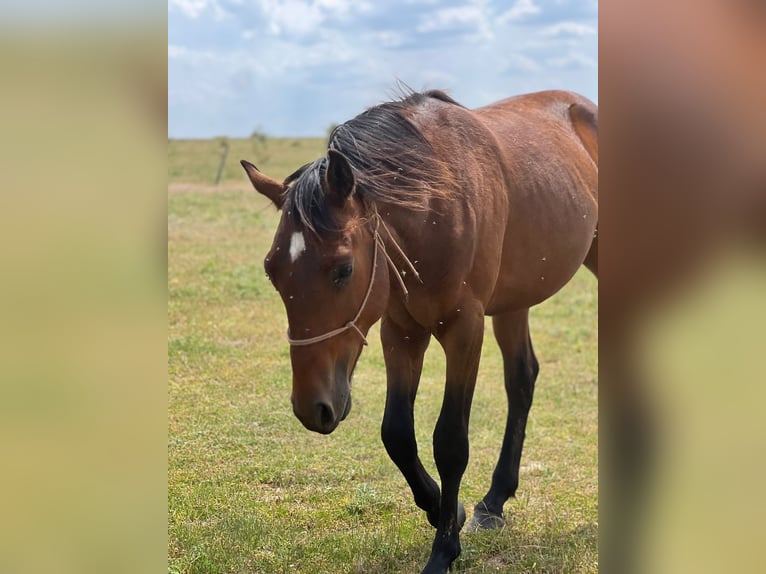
(387, 38)
(294, 16)
(305, 16)
(519, 11)
(182, 53)
(192, 9)
(274, 59)
(342, 7)
(437, 78)
(175, 51)
(569, 29)
(450, 17)
(470, 16)
(521, 63)
(572, 60)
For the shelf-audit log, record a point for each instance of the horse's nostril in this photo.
(326, 414)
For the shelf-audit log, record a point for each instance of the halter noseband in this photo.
(377, 245)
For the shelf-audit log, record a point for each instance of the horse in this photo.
(430, 216)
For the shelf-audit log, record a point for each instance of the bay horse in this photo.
(430, 216)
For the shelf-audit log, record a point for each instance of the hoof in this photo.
(483, 519)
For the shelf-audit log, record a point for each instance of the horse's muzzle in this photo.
(321, 416)
(318, 417)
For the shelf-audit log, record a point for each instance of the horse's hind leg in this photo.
(521, 367)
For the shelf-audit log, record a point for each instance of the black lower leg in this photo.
(520, 376)
(403, 349)
(398, 434)
(462, 346)
(451, 455)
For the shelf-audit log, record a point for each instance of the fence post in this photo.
(225, 146)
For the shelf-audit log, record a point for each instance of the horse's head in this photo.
(321, 263)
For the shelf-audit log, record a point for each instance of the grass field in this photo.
(250, 490)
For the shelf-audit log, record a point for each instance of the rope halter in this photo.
(378, 245)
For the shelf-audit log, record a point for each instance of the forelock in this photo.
(306, 203)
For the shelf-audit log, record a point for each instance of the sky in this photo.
(295, 67)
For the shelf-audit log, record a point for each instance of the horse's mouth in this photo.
(347, 407)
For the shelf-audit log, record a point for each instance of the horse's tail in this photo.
(584, 118)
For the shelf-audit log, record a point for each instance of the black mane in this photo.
(392, 163)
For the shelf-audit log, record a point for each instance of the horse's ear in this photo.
(339, 176)
(263, 184)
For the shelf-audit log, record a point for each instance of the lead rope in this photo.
(377, 245)
(401, 253)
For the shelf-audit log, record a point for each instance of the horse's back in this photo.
(548, 118)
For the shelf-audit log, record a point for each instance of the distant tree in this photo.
(260, 144)
(258, 134)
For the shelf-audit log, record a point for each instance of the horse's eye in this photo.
(342, 273)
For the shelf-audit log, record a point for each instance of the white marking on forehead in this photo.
(297, 246)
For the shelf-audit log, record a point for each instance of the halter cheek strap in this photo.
(378, 245)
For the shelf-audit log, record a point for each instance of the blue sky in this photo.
(293, 67)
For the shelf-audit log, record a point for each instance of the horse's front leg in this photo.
(403, 349)
(461, 338)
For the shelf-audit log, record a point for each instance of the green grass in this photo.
(250, 490)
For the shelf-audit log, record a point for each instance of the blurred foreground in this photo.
(682, 229)
(82, 298)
